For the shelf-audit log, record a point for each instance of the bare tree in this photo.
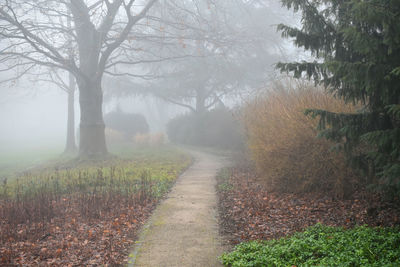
(233, 47)
(36, 35)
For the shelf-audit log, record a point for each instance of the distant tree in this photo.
(49, 75)
(358, 50)
(70, 144)
(232, 50)
(68, 85)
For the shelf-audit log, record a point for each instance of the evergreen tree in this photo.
(356, 44)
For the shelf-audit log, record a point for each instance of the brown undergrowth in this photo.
(70, 239)
(88, 225)
(247, 211)
(88, 215)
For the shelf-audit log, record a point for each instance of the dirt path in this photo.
(183, 230)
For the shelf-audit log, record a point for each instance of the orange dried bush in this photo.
(283, 144)
(141, 139)
(156, 139)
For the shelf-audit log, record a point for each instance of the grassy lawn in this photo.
(160, 165)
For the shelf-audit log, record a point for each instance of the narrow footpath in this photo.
(183, 230)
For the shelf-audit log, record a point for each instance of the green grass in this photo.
(160, 165)
(322, 246)
(14, 162)
(223, 178)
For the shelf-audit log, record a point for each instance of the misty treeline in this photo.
(190, 53)
(200, 54)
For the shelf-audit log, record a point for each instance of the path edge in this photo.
(135, 250)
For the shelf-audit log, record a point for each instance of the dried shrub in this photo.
(283, 142)
(156, 139)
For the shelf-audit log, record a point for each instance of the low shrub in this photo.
(129, 124)
(322, 246)
(156, 139)
(216, 128)
(282, 140)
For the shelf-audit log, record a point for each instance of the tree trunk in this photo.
(92, 129)
(70, 146)
(200, 101)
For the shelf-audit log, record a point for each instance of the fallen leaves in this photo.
(249, 212)
(72, 240)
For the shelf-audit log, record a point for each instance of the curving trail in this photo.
(183, 230)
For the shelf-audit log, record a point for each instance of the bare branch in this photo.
(35, 41)
(132, 20)
(177, 103)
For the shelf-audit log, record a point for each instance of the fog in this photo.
(32, 117)
(179, 58)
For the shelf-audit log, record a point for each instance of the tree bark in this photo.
(92, 129)
(70, 146)
(92, 141)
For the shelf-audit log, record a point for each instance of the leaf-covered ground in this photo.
(87, 215)
(249, 212)
(73, 240)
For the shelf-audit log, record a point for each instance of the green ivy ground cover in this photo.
(322, 246)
